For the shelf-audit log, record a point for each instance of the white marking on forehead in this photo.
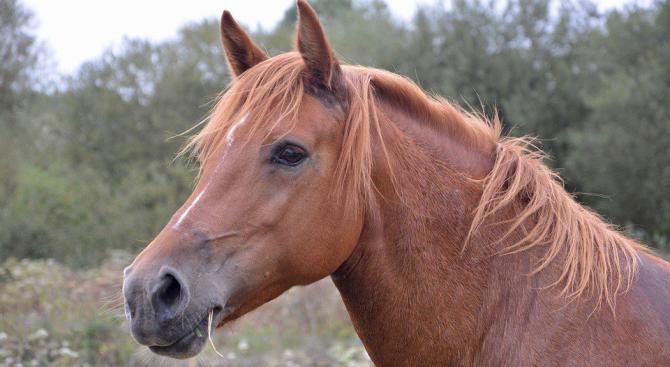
(229, 140)
(188, 210)
(231, 131)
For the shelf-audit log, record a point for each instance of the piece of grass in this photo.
(209, 333)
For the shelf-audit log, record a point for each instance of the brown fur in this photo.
(450, 244)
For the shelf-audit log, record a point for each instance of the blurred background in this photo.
(92, 95)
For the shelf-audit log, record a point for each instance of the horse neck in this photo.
(408, 281)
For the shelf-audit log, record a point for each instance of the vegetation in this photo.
(56, 316)
(86, 163)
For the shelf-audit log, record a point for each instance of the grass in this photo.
(56, 316)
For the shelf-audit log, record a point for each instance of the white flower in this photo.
(67, 352)
(39, 334)
(243, 345)
(3, 336)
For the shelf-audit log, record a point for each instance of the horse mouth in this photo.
(194, 340)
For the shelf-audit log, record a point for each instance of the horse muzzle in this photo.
(163, 315)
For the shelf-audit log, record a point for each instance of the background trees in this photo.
(88, 167)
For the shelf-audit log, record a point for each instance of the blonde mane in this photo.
(594, 257)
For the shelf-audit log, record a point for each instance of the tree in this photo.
(622, 151)
(89, 167)
(19, 54)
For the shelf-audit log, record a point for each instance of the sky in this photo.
(79, 30)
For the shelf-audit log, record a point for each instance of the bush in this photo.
(75, 216)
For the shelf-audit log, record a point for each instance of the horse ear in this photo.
(314, 47)
(241, 52)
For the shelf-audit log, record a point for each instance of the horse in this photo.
(449, 243)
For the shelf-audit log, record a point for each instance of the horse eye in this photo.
(289, 155)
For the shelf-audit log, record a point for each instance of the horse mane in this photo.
(594, 257)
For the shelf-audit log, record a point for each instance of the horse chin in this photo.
(187, 347)
(194, 341)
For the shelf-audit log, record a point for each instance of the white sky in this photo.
(79, 30)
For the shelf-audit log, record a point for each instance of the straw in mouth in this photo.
(209, 333)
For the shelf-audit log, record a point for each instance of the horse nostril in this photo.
(170, 294)
(168, 297)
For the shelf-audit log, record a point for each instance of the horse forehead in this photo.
(312, 120)
(230, 135)
(317, 118)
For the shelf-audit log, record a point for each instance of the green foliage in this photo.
(75, 216)
(624, 144)
(87, 168)
(18, 52)
(19, 58)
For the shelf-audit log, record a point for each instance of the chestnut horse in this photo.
(449, 244)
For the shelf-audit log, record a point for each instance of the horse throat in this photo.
(411, 293)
